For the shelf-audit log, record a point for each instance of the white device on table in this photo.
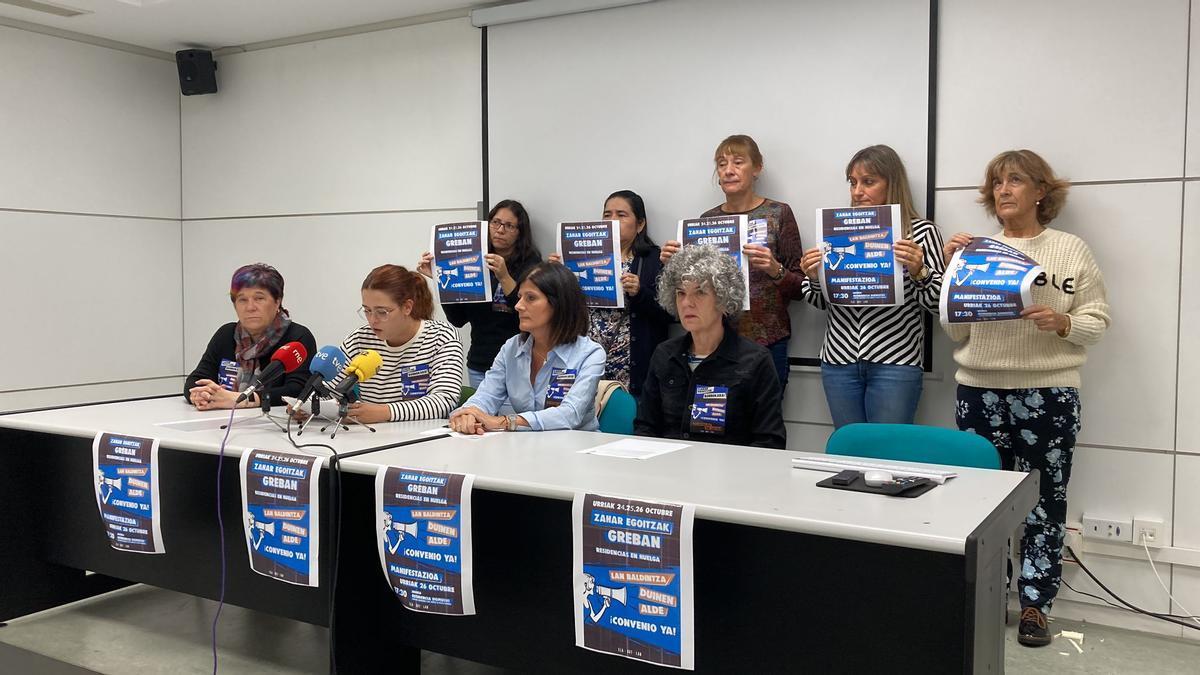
(876, 478)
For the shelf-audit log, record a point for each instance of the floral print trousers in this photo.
(1032, 429)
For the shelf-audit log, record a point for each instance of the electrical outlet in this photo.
(1108, 529)
(1154, 531)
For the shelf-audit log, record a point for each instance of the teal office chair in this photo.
(914, 443)
(619, 411)
(464, 394)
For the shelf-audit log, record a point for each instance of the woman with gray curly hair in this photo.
(709, 384)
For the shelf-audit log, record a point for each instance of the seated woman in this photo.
(239, 351)
(423, 360)
(549, 371)
(709, 384)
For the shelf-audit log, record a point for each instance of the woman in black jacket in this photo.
(511, 251)
(630, 335)
(239, 351)
(709, 384)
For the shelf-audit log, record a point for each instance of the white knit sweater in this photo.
(1015, 354)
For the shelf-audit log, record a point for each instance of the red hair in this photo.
(402, 285)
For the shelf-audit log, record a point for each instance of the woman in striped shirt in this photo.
(422, 371)
(871, 356)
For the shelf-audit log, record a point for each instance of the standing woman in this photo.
(775, 274)
(1018, 381)
(239, 351)
(871, 356)
(547, 374)
(512, 251)
(630, 335)
(421, 374)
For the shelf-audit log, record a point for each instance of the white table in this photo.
(786, 573)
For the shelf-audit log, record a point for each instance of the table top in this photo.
(179, 425)
(736, 484)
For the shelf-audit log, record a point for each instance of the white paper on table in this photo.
(632, 448)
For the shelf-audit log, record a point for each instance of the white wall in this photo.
(89, 222)
(352, 146)
(1101, 90)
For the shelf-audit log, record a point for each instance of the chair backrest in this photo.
(464, 394)
(914, 443)
(618, 413)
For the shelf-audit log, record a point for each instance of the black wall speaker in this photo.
(197, 72)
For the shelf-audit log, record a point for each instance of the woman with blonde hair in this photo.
(871, 358)
(775, 275)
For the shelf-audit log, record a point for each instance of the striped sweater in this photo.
(890, 335)
(420, 379)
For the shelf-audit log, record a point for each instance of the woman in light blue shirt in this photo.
(549, 371)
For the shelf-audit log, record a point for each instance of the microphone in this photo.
(362, 368)
(326, 364)
(285, 359)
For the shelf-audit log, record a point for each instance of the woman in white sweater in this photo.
(1018, 381)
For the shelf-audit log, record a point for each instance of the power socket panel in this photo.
(1108, 529)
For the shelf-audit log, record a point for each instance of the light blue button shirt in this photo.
(507, 381)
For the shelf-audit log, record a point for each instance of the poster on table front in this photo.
(729, 234)
(633, 579)
(424, 523)
(858, 264)
(592, 250)
(987, 280)
(127, 491)
(459, 267)
(281, 514)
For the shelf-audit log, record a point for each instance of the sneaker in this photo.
(1033, 631)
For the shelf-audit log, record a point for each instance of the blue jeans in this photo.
(780, 356)
(871, 392)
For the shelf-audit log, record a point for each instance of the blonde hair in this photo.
(739, 144)
(1029, 164)
(883, 161)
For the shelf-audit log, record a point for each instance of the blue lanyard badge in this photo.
(227, 375)
(708, 410)
(561, 380)
(414, 381)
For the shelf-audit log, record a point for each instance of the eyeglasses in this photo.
(380, 315)
(502, 226)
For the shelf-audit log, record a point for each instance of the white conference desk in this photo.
(785, 571)
(732, 484)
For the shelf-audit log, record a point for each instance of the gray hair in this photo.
(708, 267)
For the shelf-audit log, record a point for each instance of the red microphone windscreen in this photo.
(292, 356)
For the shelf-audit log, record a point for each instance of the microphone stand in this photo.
(344, 416)
(264, 412)
(315, 404)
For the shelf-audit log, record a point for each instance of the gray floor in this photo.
(148, 630)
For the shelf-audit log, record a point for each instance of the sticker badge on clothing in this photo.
(227, 375)
(561, 380)
(500, 301)
(708, 409)
(414, 381)
(756, 232)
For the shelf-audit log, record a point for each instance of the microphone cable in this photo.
(221, 530)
